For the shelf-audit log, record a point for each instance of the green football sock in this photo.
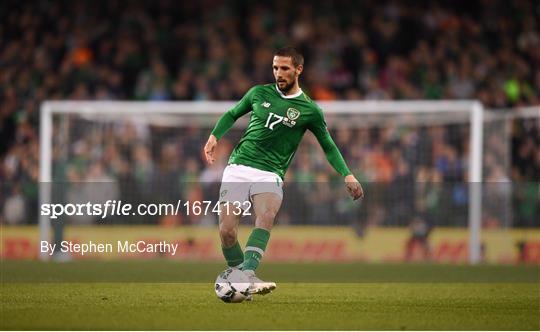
(233, 255)
(255, 248)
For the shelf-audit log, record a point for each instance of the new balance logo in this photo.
(266, 104)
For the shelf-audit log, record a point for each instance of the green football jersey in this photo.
(275, 129)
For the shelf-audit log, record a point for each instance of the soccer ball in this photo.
(232, 286)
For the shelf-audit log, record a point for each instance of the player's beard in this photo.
(286, 88)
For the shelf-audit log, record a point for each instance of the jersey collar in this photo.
(290, 96)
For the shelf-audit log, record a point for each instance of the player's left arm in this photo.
(334, 157)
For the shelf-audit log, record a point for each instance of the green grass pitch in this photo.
(164, 295)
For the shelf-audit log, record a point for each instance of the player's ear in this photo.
(299, 69)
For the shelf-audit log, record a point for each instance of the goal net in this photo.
(420, 162)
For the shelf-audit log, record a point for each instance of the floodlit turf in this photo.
(471, 298)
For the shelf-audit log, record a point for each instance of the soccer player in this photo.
(280, 115)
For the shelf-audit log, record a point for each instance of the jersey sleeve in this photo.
(334, 157)
(227, 120)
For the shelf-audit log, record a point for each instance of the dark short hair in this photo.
(291, 52)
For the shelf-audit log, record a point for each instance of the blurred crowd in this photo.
(214, 50)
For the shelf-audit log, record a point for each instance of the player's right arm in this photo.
(225, 122)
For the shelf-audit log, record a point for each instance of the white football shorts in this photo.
(240, 182)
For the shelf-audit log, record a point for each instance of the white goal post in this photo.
(473, 109)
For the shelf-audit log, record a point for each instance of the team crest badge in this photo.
(293, 114)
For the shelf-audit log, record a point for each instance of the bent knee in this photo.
(228, 236)
(266, 219)
(270, 214)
